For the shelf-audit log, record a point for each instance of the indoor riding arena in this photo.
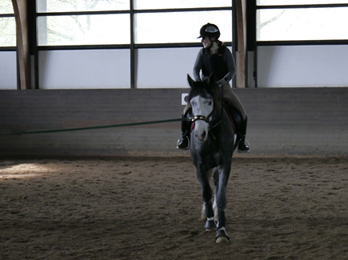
(91, 97)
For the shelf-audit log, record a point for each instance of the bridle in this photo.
(210, 119)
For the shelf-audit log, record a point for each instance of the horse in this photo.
(212, 144)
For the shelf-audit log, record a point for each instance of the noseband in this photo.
(207, 118)
(199, 117)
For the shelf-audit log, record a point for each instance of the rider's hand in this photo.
(221, 82)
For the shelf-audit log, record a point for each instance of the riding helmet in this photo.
(210, 30)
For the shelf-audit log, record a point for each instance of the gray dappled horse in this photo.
(212, 145)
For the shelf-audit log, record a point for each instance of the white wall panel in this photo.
(8, 74)
(302, 66)
(165, 68)
(84, 69)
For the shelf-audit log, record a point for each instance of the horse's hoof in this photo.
(221, 236)
(210, 225)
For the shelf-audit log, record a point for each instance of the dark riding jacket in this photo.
(221, 64)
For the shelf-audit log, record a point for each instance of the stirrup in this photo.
(180, 142)
(246, 145)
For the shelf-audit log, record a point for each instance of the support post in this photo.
(241, 54)
(20, 11)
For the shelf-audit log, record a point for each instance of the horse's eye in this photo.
(193, 103)
(209, 102)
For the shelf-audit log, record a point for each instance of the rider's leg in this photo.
(233, 101)
(243, 145)
(184, 140)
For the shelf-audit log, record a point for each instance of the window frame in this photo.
(253, 43)
(132, 13)
(297, 42)
(132, 46)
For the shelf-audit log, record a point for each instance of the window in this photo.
(170, 4)
(83, 29)
(301, 20)
(53, 6)
(7, 24)
(150, 30)
(82, 22)
(299, 2)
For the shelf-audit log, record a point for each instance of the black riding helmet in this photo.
(210, 30)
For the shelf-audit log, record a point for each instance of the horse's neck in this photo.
(218, 114)
(224, 120)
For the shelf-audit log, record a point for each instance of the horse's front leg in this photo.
(207, 194)
(221, 176)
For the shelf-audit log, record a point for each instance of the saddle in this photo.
(235, 117)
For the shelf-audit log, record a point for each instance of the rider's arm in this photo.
(198, 66)
(231, 68)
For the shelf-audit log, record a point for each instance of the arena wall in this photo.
(282, 121)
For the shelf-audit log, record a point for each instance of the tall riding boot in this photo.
(243, 145)
(184, 141)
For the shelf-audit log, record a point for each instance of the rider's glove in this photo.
(222, 82)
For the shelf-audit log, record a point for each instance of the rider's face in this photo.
(206, 42)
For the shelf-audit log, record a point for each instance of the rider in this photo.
(214, 58)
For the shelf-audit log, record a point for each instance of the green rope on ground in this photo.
(95, 127)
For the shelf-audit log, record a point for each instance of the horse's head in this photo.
(203, 98)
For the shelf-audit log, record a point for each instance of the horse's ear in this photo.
(190, 80)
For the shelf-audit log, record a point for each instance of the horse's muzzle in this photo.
(201, 130)
(202, 136)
